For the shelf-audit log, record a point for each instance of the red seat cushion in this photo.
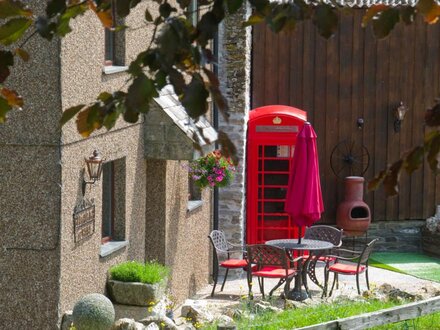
(234, 263)
(273, 272)
(346, 269)
(325, 259)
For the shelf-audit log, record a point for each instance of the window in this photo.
(115, 42)
(113, 201)
(194, 195)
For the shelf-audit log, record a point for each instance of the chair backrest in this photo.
(263, 255)
(325, 233)
(218, 240)
(365, 255)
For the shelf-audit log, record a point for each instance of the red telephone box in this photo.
(272, 132)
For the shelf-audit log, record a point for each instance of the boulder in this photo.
(136, 293)
(127, 324)
(162, 322)
(197, 311)
(93, 312)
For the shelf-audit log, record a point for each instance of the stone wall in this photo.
(234, 74)
(396, 236)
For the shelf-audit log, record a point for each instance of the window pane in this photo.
(107, 199)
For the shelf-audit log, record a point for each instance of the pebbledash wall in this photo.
(43, 270)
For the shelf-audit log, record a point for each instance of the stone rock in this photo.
(433, 224)
(224, 321)
(197, 311)
(260, 307)
(127, 324)
(135, 293)
(152, 326)
(162, 321)
(396, 294)
(93, 312)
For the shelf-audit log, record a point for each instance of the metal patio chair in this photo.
(356, 264)
(267, 261)
(222, 256)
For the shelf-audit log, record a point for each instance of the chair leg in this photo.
(366, 277)
(281, 281)
(335, 278)
(224, 280)
(215, 278)
(261, 283)
(357, 284)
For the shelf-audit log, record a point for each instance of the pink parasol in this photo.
(304, 197)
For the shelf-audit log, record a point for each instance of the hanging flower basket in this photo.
(212, 170)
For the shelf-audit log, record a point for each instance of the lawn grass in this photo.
(296, 318)
(133, 271)
(415, 264)
(426, 322)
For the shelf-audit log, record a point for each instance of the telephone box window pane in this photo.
(275, 193)
(260, 179)
(260, 207)
(274, 207)
(276, 165)
(276, 179)
(260, 165)
(260, 193)
(260, 151)
(260, 219)
(270, 151)
(276, 221)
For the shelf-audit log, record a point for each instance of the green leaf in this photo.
(195, 97)
(434, 153)
(45, 28)
(377, 180)
(4, 109)
(326, 20)
(55, 7)
(372, 13)
(219, 99)
(70, 113)
(207, 28)
(12, 97)
(165, 10)
(414, 159)
(254, 19)
(391, 180)
(13, 29)
(123, 7)
(408, 15)
(6, 60)
(140, 94)
(24, 55)
(228, 148)
(161, 79)
(112, 115)
(13, 8)
(62, 26)
(233, 5)
(177, 80)
(148, 16)
(183, 3)
(131, 116)
(385, 22)
(105, 97)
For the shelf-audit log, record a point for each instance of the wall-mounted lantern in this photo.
(94, 169)
(399, 115)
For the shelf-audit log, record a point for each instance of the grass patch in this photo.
(431, 322)
(414, 264)
(133, 271)
(296, 318)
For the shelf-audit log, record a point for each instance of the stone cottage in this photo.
(57, 239)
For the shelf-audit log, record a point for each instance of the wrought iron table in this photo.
(316, 248)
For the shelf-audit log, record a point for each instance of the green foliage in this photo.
(132, 271)
(93, 312)
(302, 317)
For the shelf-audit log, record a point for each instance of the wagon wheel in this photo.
(349, 159)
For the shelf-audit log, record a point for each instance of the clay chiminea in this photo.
(353, 214)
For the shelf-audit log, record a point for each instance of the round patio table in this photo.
(315, 247)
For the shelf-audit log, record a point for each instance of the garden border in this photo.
(384, 316)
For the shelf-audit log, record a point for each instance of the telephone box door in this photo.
(272, 132)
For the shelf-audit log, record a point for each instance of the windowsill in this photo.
(111, 247)
(110, 69)
(193, 205)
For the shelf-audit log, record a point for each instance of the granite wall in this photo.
(234, 74)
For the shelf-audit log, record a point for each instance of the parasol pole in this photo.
(299, 238)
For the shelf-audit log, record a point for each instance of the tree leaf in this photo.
(177, 80)
(165, 10)
(434, 153)
(13, 8)
(24, 55)
(104, 15)
(4, 109)
(228, 148)
(6, 60)
(219, 99)
(70, 113)
(112, 115)
(385, 22)
(207, 28)
(12, 97)
(391, 180)
(82, 125)
(429, 9)
(62, 26)
(233, 5)
(44, 28)
(377, 180)
(414, 159)
(148, 16)
(13, 29)
(195, 97)
(326, 20)
(372, 13)
(55, 7)
(253, 20)
(432, 116)
(140, 94)
(408, 15)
